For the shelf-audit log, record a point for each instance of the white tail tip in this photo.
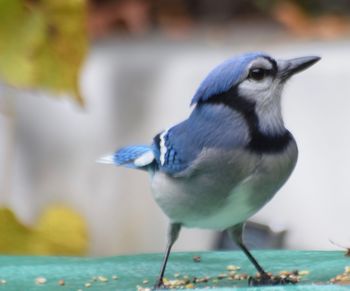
(109, 159)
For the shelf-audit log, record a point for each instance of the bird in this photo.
(222, 164)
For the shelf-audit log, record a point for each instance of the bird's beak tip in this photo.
(288, 68)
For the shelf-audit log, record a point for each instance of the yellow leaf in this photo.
(59, 231)
(63, 231)
(14, 235)
(43, 44)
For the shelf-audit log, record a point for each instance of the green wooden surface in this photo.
(20, 272)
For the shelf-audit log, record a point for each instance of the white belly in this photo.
(222, 198)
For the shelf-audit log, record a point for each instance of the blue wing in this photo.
(209, 126)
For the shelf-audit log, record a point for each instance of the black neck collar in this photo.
(260, 142)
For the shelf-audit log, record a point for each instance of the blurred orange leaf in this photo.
(297, 21)
(43, 44)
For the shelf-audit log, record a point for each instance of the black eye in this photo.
(258, 74)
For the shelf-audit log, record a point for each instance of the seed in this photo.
(232, 268)
(2, 281)
(102, 279)
(338, 277)
(305, 272)
(201, 280)
(115, 277)
(196, 259)
(186, 280)
(177, 275)
(283, 276)
(61, 282)
(40, 280)
(145, 281)
(243, 276)
(189, 286)
(221, 276)
(236, 277)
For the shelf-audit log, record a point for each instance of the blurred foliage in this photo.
(43, 44)
(59, 231)
(180, 18)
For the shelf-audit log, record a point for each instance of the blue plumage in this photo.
(127, 155)
(224, 76)
(208, 127)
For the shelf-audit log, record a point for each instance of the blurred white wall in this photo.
(134, 89)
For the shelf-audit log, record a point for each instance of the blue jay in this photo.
(228, 159)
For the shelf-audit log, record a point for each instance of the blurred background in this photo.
(81, 78)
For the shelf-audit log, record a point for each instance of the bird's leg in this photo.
(173, 234)
(236, 233)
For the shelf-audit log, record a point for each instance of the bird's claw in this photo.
(159, 285)
(268, 280)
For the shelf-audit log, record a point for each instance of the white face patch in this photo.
(260, 90)
(266, 94)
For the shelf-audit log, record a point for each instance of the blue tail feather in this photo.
(129, 155)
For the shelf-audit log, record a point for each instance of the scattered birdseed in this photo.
(140, 288)
(61, 282)
(197, 259)
(114, 277)
(40, 280)
(102, 279)
(284, 277)
(88, 285)
(343, 279)
(2, 282)
(185, 282)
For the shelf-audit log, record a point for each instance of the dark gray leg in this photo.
(236, 233)
(173, 234)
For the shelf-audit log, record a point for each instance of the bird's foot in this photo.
(159, 285)
(268, 279)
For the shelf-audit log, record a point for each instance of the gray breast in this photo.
(223, 188)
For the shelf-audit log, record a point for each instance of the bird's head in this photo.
(252, 81)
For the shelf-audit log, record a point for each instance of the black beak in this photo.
(287, 68)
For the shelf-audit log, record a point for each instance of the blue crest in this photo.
(224, 76)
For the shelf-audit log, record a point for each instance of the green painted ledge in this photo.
(20, 272)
